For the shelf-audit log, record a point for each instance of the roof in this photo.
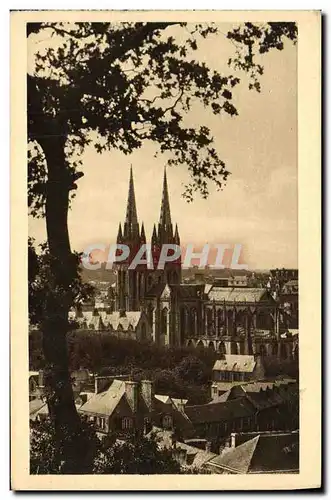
(164, 399)
(237, 459)
(221, 399)
(292, 283)
(101, 319)
(236, 363)
(191, 291)
(214, 412)
(237, 294)
(267, 452)
(105, 402)
(34, 406)
(198, 456)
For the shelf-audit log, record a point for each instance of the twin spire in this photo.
(131, 226)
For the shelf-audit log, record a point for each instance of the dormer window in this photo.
(167, 421)
(127, 423)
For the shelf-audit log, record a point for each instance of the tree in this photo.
(137, 455)
(118, 85)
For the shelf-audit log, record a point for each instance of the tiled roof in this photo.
(228, 294)
(215, 412)
(236, 363)
(221, 399)
(105, 402)
(114, 320)
(237, 459)
(267, 452)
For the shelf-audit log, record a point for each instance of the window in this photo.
(102, 423)
(167, 421)
(126, 423)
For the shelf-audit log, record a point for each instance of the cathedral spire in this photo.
(119, 234)
(142, 234)
(131, 227)
(165, 217)
(176, 236)
(154, 236)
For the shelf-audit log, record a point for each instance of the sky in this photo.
(258, 207)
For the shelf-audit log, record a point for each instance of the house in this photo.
(189, 457)
(264, 453)
(235, 369)
(276, 403)
(126, 405)
(215, 421)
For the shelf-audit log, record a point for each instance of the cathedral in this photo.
(155, 305)
(231, 320)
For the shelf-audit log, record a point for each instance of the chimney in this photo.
(147, 393)
(41, 378)
(233, 439)
(131, 391)
(208, 446)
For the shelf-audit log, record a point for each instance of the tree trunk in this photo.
(55, 323)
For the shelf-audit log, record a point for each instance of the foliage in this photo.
(120, 84)
(136, 455)
(115, 85)
(43, 288)
(48, 454)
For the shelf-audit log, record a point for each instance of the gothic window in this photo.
(220, 321)
(150, 314)
(142, 285)
(127, 423)
(164, 316)
(210, 323)
(150, 281)
(221, 348)
(193, 321)
(234, 348)
(183, 319)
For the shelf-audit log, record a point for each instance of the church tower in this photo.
(130, 283)
(164, 234)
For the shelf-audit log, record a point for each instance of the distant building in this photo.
(235, 368)
(225, 315)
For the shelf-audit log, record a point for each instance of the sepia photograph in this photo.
(162, 289)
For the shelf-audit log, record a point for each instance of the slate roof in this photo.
(215, 412)
(264, 453)
(106, 320)
(105, 402)
(237, 294)
(236, 363)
